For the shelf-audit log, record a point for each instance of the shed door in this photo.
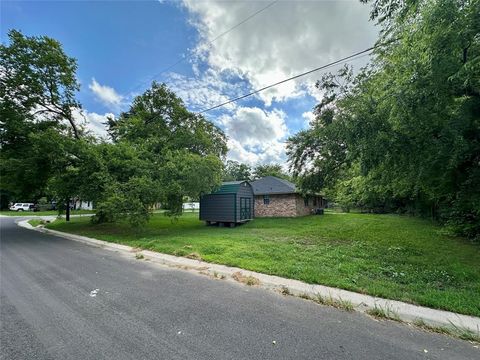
(245, 208)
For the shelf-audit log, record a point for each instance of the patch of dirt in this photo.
(194, 256)
(200, 268)
(248, 280)
(338, 241)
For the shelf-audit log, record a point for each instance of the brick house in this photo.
(278, 197)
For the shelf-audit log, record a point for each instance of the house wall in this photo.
(282, 205)
(314, 202)
(303, 210)
(286, 205)
(82, 205)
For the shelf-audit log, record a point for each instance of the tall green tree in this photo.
(37, 103)
(236, 171)
(263, 170)
(407, 127)
(182, 151)
(160, 152)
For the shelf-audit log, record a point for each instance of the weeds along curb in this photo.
(431, 319)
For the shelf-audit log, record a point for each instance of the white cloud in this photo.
(288, 38)
(238, 153)
(208, 89)
(272, 152)
(96, 123)
(93, 122)
(253, 126)
(309, 116)
(90, 121)
(107, 95)
(255, 136)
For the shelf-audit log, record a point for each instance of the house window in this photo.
(266, 199)
(305, 200)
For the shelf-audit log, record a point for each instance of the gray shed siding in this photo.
(247, 192)
(217, 207)
(225, 204)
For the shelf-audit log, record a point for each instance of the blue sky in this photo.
(121, 46)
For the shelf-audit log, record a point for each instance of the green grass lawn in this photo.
(391, 256)
(43, 213)
(36, 222)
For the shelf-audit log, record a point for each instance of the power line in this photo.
(210, 42)
(345, 59)
(243, 21)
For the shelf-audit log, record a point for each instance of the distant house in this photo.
(191, 206)
(279, 197)
(231, 204)
(82, 205)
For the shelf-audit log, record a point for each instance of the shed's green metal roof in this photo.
(229, 187)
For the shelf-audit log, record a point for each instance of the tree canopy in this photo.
(159, 151)
(183, 151)
(37, 124)
(263, 170)
(236, 171)
(404, 133)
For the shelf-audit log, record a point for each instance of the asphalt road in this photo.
(145, 311)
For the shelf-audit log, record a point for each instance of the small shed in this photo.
(231, 204)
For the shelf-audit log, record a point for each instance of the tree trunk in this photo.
(67, 211)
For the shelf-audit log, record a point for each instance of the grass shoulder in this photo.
(390, 256)
(36, 222)
(43, 213)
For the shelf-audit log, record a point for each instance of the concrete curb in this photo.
(363, 303)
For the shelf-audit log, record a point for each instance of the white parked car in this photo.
(22, 207)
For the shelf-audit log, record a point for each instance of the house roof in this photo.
(229, 187)
(273, 185)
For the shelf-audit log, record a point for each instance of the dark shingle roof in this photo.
(273, 185)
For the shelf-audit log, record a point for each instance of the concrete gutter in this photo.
(363, 303)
